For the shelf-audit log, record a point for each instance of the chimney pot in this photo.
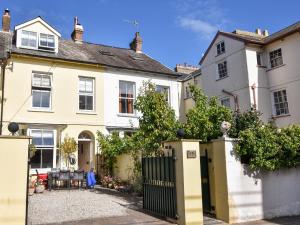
(77, 33)
(266, 33)
(258, 31)
(136, 44)
(6, 20)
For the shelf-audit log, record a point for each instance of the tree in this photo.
(157, 121)
(204, 120)
(68, 147)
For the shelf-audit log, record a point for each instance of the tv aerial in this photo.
(135, 23)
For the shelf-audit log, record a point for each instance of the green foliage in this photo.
(243, 121)
(204, 120)
(269, 148)
(32, 150)
(111, 147)
(157, 122)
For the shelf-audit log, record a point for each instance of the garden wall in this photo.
(13, 173)
(242, 195)
(124, 167)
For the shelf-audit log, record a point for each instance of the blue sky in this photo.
(173, 31)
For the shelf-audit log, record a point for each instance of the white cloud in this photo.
(204, 29)
(203, 17)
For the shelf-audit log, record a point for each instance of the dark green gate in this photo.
(159, 189)
(205, 183)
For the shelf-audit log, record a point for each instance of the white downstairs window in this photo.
(280, 103)
(43, 140)
(41, 91)
(165, 90)
(225, 102)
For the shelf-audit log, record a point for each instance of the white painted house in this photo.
(254, 69)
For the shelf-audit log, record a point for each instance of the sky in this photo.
(173, 31)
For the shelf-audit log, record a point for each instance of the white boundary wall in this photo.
(253, 196)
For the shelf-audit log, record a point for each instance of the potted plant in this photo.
(68, 147)
(39, 186)
(31, 187)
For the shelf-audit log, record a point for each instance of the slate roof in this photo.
(256, 39)
(90, 53)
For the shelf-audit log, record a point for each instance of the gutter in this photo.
(236, 100)
(3, 66)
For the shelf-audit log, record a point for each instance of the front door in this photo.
(84, 155)
(205, 183)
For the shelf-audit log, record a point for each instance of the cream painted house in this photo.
(254, 69)
(55, 88)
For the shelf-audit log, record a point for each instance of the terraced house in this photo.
(254, 69)
(55, 88)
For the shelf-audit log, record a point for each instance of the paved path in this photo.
(105, 207)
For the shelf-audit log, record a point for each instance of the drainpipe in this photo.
(3, 66)
(254, 97)
(236, 101)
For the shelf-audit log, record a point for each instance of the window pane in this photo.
(36, 98)
(46, 81)
(129, 106)
(35, 161)
(45, 99)
(47, 158)
(48, 138)
(89, 86)
(51, 41)
(122, 105)
(37, 137)
(37, 80)
(89, 102)
(122, 89)
(81, 102)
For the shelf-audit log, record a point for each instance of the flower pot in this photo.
(39, 189)
(30, 191)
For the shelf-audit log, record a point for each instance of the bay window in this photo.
(43, 140)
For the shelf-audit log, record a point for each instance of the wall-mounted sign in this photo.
(191, 154)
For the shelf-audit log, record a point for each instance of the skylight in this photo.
(107, 53)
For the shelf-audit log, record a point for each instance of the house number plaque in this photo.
(191, 154)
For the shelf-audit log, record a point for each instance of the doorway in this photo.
(205, 183)
(85, 150)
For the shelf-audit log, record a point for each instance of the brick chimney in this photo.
(136, 44)
(77, 33)
(6, 21)
(185, 68)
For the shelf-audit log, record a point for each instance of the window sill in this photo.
(220, 54)
(87, 112)
(275, 67)
(127, 115)
(263, 67)
(40, 110)
(221, 78)
(186, 98)
(280, 116)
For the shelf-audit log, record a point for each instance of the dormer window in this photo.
(47, 41)
(29, 39)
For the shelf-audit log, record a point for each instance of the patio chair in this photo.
(78, 175)
(64, 176)
(52, 178)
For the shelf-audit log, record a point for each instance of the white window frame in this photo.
(217, 68)
(48, 47)
(29, 47)
(270, 52)
(29, 133)
(169, 91)
(133, 98)
(226, 99)
(273, 102)
(35, 88)
(86, 93)
(220, 44)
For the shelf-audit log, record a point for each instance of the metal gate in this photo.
(159, 189)
(205, 183)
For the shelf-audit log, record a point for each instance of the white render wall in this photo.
(112, 117)
(254, 196)
(237, 80)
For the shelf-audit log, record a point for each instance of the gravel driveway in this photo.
(83, 207)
